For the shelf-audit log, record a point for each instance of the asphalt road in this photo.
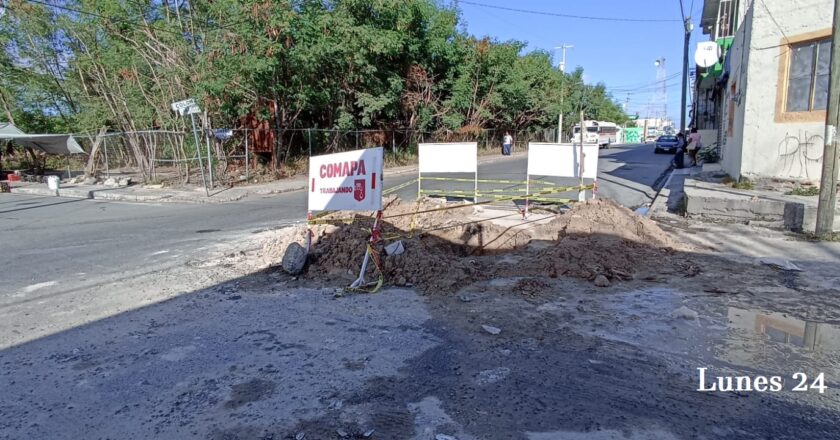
(49, 241)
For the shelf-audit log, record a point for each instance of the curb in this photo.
(656, 205)
(176, 198)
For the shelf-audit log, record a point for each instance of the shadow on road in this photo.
(40, 205)
(270, 356)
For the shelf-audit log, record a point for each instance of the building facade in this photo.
(767, 97)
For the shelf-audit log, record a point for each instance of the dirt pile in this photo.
(446, 249)
(600, 237)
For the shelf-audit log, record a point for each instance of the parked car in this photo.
(666, 144)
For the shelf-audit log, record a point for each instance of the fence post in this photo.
(309, 137)
(105, 146)
(209, 157)
(247, 159)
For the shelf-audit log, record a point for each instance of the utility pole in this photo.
(828, 180)
(562, 67)
(688, 28)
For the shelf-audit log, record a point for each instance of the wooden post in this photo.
(828, 181)
(581, 194)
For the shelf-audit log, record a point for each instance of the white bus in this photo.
(598, 132)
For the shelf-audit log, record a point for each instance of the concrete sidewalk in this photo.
(669, 201)
(157, 194)
(154, 193)
(698, 193)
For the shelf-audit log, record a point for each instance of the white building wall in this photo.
(733, 134)
(790, 150)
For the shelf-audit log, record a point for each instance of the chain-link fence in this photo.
(245, 154)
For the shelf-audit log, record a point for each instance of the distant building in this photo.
(654, 127)
(765, 101)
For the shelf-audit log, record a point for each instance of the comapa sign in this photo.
(350, 181)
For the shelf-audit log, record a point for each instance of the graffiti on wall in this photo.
(633, 135)
(800, 152)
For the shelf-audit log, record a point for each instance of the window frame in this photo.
(816, 55)
(786, 46)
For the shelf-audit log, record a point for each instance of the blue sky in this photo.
(620, 54)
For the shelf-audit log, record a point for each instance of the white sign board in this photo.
(180, 106)
(350, 181)
(451, 157)
(562, 160)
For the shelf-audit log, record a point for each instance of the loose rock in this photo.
(294, 259)
(684, 313)
(492, 330)
(602, 281)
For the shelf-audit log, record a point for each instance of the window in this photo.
(807, 85)
(726, 13)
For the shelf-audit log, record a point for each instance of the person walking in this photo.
(507, 141)
(693, 146)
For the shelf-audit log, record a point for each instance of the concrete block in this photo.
(764, 208)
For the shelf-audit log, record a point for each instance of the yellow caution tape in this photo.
(398, 187)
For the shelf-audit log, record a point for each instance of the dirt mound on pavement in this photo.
(446, 249)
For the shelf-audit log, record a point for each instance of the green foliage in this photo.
(807, 191)
(347, 64)
(742, 183)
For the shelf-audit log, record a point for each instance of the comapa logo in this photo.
(359, 189)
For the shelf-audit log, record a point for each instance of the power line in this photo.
(631, 87)
(94, 14)
(579, 17)
(775, 22)
(649, 89)
(128, 20)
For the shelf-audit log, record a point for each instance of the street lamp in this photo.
(562, 68)
(563, 60)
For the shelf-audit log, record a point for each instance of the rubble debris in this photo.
(602, 281)
(492, 330)
(445, 250)
(684, 313)
(395, 248)
(780, 263)
(487, 377)
(294, 259)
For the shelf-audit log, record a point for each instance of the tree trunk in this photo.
(90, 168)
